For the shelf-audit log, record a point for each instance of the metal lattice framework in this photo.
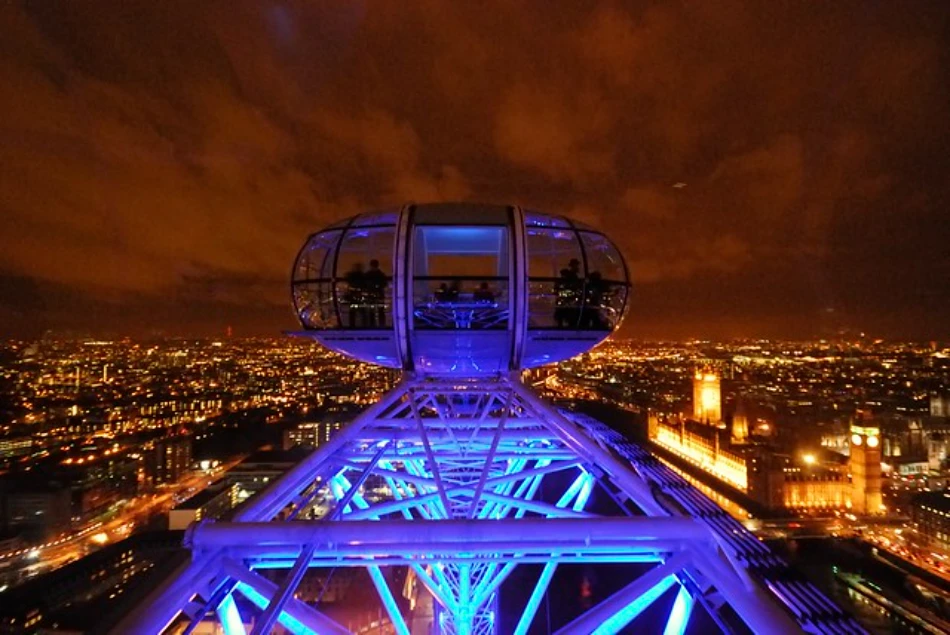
(455, 468)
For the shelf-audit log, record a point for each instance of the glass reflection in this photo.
(535, 219)
(314, 303)
(315, 260)
(550, 251)
(603, 257)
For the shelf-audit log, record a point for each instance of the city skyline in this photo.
(92, 417)
(767, 171)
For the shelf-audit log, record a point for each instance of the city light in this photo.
(634, 377)
(730, 469)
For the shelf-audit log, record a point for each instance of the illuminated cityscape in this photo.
(85, 455)
(457, 477)
(111, 444)
(496, 318)
(893, 392)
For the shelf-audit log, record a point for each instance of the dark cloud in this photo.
(160, 163)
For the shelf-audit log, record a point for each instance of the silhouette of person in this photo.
(442, 293)
(484, 294)
(593, 302)
(355, 290)
(452, 294)
(375, 282)
(567, 291)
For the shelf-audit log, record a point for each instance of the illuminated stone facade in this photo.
(740, 427)
(772, 480)
(704, 451)
(805, 489)
(707, 399)
(866, 470)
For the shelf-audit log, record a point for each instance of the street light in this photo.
(809, 459)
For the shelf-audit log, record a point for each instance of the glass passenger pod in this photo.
(577, 288)
(460, 298)
(342, 288)
(482, 289)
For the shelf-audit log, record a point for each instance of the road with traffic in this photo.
(118, 522)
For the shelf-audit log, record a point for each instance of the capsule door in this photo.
(460, 304)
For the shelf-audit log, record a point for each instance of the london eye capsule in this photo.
(459, 289)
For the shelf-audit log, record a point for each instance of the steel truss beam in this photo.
(443, 477)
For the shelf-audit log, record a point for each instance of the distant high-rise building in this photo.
(866, 469)
(707, 399)
(168, 460)
(930, 512)
(311, 434)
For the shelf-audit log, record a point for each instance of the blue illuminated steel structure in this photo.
(462, 458)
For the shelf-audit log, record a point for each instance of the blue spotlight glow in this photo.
(230, 618)
(293, 625)
(679, 615)
(628, 613)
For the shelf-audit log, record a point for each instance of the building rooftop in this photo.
(204, 496)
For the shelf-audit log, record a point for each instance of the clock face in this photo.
(872, 442)
(856, 439)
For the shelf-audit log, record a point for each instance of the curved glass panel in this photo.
(554, 304)
(534, 219)
(316, 258)
(562, 292)
(582, 226)
(342, 278)
(603, 258)
(382, 218)
(552, 251)
(603, 304)
(314, 304)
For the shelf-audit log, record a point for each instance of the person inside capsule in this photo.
(568, 295)
(354, 296)
(374, 284)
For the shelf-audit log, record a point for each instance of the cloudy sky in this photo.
(161, 162)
